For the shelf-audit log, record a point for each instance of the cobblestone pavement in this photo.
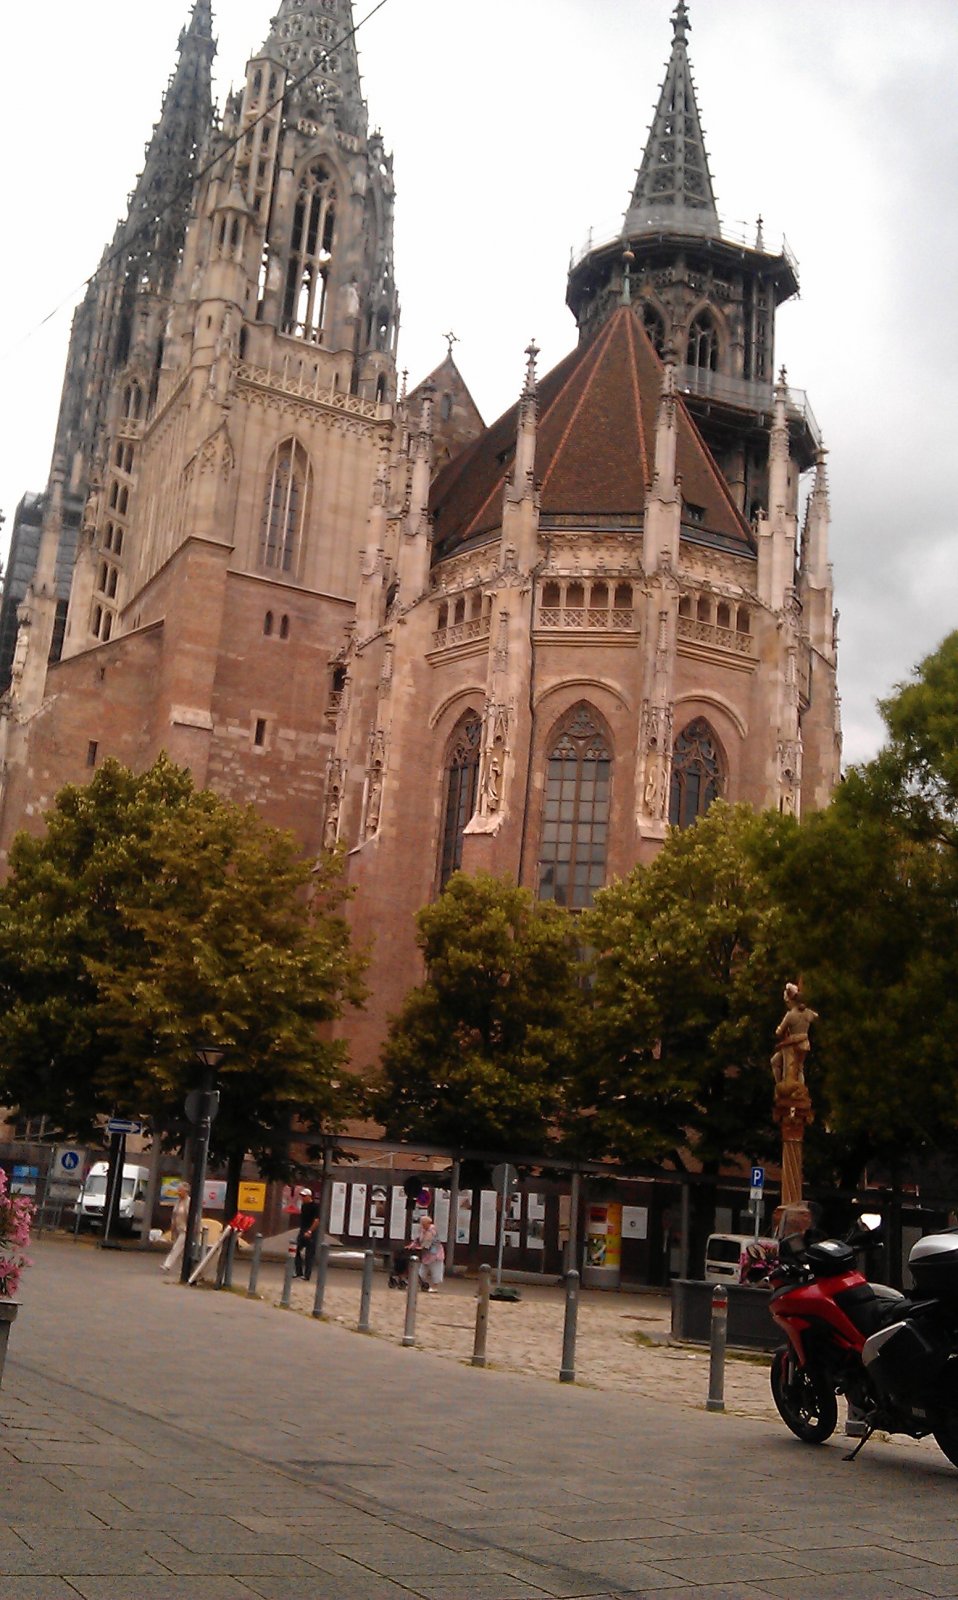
(183, 1444)
(622, 1338)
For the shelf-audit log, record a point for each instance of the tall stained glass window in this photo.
(461, 785)
(285, 508)
(697, 775)
(575, 813)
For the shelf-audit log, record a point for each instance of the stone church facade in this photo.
(527, 648)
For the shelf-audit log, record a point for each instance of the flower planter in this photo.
(8, 1312)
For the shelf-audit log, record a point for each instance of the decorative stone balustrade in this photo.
(591, 619)
(740, 644)
(460, 632)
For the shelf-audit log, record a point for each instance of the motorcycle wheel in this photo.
(805, 1403)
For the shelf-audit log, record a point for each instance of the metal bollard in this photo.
(719, 1335)
(567, 1369)
(322, 1267)
(230, 1257)
(482, 1316)
(412, 1296)
(284, 1298)
(221, 1263)
(254, 1266)
(366, 1292)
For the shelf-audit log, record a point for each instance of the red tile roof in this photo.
(595, 448)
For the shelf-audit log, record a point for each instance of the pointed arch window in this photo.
(311, 251)
(698, 774)
(285, 508)
(575, 812)
(460, 792)
(703, 343)
(654, 326)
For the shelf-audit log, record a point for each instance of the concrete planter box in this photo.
(8, 1313)
(750, 1326)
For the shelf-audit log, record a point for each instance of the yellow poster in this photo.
(252, 1197)
(613, 1237)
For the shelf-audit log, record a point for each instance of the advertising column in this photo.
(603, 1245)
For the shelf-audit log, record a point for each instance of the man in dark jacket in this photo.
(306, 1238)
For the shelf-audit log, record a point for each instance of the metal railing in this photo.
(677, 219)
(748, 393)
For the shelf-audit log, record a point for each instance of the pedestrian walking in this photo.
(432, 1255)
(178, 1226)
(307, 1237)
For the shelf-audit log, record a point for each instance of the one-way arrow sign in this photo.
(123, 1125)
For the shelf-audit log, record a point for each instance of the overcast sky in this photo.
(516, 126)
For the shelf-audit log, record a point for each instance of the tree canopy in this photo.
(480, 1055)
(917, 771)
(152, 917)
(687, 977)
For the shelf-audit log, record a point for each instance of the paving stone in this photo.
(330, 1491)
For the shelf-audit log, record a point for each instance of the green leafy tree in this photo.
(914, 779)
(152, 917)
(481, 1053)
(690, 956)
(871, 922)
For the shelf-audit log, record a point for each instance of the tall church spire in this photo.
(674, 185)
(319, 33)
(160, 202)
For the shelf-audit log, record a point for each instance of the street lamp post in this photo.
(201, 1107)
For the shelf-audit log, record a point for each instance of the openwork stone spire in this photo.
(674, 185)
(318, 34)
(160, 203)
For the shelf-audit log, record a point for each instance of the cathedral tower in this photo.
(703, 292)
(230, 386)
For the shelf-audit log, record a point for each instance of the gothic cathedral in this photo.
(528, 648)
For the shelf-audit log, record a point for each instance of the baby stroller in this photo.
(399, 1269)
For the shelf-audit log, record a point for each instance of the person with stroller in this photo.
(432, 1255)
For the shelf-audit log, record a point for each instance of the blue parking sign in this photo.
(758, 1177)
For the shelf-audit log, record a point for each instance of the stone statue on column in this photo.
(793, 1103)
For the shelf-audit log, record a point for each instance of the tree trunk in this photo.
(234, 1172)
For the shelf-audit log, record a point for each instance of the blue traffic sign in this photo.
(70, 1160)
(123, 1125)
(758, 1177)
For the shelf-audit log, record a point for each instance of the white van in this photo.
(725, 1255)
(92, 1198)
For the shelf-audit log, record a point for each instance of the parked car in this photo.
(726, 1255)
(92, 1198)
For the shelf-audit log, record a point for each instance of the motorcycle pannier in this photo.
(901, 1360)
(934, 1266)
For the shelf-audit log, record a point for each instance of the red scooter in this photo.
(894, 1357)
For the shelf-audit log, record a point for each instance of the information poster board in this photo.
(337, 1208)
(635, 1222)
(488, 1214)
(536, 1222)
(441, 1213)
(377, 1211)
(397, 1212)
(252, 1197)
(357, 1208)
